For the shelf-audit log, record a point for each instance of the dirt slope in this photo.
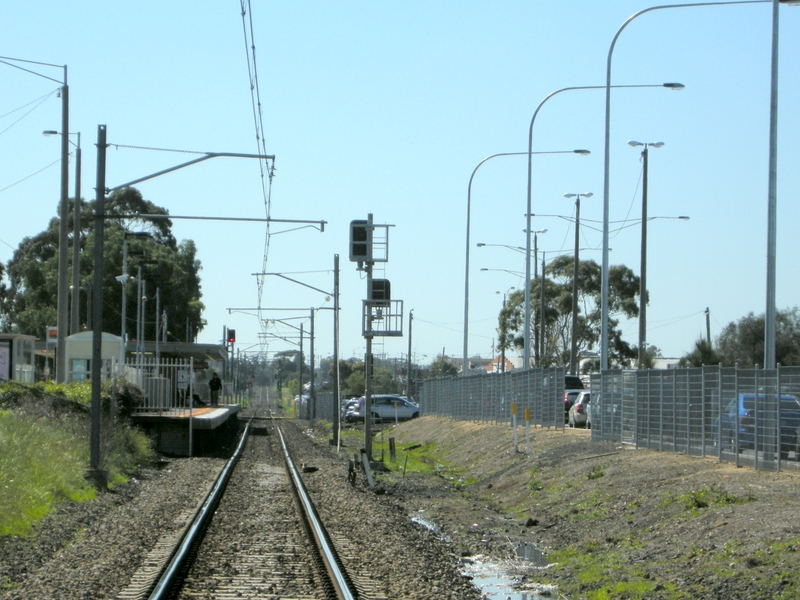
(618, 522)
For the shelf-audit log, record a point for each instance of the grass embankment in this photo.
(44, 451)
(625, 523)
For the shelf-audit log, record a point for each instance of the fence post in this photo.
(736, 413)
(755, 411)
(514, 424)
(688, 416)
(778, 428)
(191, 405)
(719, 412)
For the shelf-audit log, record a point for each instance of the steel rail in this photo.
(203, 515)
(340, 581)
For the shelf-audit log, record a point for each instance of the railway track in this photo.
(265, 539)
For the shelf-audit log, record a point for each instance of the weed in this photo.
(596, 472)
(694, 500)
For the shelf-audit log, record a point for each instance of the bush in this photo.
(44, 437)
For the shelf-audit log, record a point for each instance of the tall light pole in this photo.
(606, 162)
(643, 266)
(526, 325)
(464, 370)
(63, 213)
(74, 325)
(772, 193)
(573, 355)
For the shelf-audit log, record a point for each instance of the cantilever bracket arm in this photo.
(191, 162)
(297, 282)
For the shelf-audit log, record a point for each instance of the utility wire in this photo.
(31, 175)
(39, 103)
(267, 168)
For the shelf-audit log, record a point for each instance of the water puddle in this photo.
(496, 581)
(501, 580)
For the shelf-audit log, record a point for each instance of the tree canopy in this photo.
(556, 327)
(28, 303)
(742, 342)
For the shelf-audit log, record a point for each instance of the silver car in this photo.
(385, 407)
(579, 411)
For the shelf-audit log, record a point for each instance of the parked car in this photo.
(570, 396)
(579, 411)
(573, 382)
(348, 404)
(384, 407)
(745, 412)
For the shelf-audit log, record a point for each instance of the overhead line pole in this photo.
(98, 476)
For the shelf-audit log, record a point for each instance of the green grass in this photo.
(42, 463)
(427, 459)
(602, 574)
(43, 459)
(695, 500)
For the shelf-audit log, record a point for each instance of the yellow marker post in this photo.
(528, 431)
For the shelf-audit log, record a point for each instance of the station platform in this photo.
(171, 428)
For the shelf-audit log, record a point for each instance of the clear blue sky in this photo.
(386, 108)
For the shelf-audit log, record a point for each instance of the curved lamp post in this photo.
(74, 318)
(526, 325)
(769, 339)
(464, 366)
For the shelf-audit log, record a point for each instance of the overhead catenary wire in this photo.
(38, 101)
(267, 169)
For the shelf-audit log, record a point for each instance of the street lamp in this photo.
(469, 203)
(769, 338)
(573, 356)
(528, 211)
(643, 267)
(76, 234)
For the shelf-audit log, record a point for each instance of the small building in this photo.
(17, 357)
(79, 355)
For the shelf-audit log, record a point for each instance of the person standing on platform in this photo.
(214, 386)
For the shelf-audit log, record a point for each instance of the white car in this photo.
(384, 407)
(579, 411)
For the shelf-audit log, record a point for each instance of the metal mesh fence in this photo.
(490, 397)
(750, 417)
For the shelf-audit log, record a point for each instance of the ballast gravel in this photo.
(92, 550)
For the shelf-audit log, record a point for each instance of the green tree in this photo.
(651, 353)
(442, 367)
(556, 328)
(702, 354)
(383, 382)
(30, 302)
(742, 342)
